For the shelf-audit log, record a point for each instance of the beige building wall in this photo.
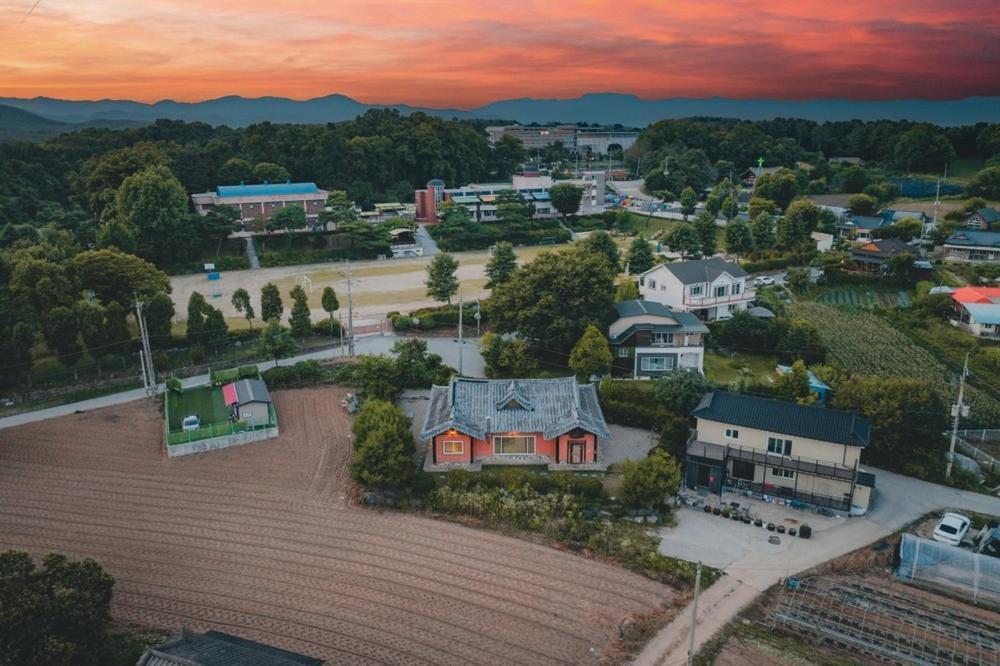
(802, 447)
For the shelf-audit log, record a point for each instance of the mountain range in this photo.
(602, 108)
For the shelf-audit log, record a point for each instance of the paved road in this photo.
(425, 241)
(898, 500)
(471, 363)
(252, 254)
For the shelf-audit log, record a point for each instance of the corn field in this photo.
(867, 344)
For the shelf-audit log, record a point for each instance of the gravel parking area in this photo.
(259, 541)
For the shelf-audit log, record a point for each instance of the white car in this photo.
(952, 529)
(763, 281)
(191, 422)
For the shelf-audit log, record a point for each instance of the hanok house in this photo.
(781, 449)
(249, 400)
(649, 340)
(553, 422)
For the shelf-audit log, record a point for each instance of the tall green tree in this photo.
(300, 320)
(708, 233)
(780, 187)
(291, 217)
(341, 209)
(681, 391)
(760, 205)
(441, 281)
(689, 201)
(507, 155)
(159, 313)
(627, 290)
(501, 265)
(241, 301)
(986, 183)
(196, 312)
(235, 171)
(603, 244)
(640, 256)
(383, 447)
(862, 204)
(794, 386)
(566, 198)
(270, 172)
(762, 228)
(684, 238)
(55, 613)
(276, 342)
(649, 483)
(739, 239)
(270, 303)
(330, 304)
(506, 358)
(591, 355)
(62, 332)
(154, 204)
(801, 218)
(551, 300)
(118, 277)
(216, 330)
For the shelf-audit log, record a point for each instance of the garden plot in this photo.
(867, 299)
(868, 345)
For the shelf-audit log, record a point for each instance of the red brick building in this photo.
(261, 201)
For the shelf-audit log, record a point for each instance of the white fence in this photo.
(966, 445)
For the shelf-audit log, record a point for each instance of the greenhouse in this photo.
(958, 571)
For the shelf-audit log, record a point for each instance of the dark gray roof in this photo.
(701, 270)
(656, 317)
(214, 648)
(252, 390)
(974, 238)
(786, 418)
(478, 407)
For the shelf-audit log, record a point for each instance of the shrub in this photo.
(648, 482)
(402, 322)
(512, 478)
(459, 479)
(633, 404)
(303, 373)
(805, 531)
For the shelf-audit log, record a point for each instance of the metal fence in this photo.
(215, 429)
(985, 460)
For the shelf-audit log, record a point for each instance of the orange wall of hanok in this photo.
(477, 449)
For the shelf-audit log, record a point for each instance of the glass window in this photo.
(623, 352)
(652, 283)
(696, 290)
(720, 291)
(732, 433)
(780, 446)
(657, 363)
(663, 338)
(736, 288)
(452, 447)
(510, 444)
(783, 473)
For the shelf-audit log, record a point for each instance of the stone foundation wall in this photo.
(216, 443)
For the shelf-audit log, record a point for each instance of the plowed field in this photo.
(258, 541)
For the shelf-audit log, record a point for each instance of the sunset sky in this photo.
(465, 53)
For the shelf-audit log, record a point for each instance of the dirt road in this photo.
(258, 541)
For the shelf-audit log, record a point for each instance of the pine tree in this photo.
(640, 256)
(270, 303)
(591, 355)
(330, 304)
(300, 319)
(276, 342)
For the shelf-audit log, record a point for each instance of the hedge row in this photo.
(303, 373)
(429, 318)
(486, 236)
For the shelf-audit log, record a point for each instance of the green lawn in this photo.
(724, 370)
(204, 401)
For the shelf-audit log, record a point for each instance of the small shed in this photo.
(250, 401)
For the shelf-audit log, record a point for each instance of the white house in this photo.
(710, 289)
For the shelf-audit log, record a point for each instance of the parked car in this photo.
(952, 529)
(763, 281)
(191, 422)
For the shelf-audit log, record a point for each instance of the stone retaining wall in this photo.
(224, 442)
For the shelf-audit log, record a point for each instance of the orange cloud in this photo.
(451, 53)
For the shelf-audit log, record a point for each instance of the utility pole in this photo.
(146, 355)
(460, 343)
(957, 413)
(694, 613)
(350, 312)
(479, 317)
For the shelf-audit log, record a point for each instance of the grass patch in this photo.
(204, 401)
(724, 370)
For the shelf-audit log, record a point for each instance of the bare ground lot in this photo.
(258, 541)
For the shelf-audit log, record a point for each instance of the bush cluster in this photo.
(633, 404)
(483, 236)
(776, 263)
(512, 478)
(303, 373)
(435, 317)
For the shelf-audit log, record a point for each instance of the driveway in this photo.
(752, 565)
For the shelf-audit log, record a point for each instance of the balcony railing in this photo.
(707, 301)
(796, 464)
(838, 503)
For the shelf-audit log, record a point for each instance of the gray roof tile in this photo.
(481, 406)
(786, 418)
(701, 270)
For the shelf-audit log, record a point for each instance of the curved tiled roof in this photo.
(478, 407)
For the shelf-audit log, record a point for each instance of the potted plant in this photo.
(805, 532)
(725, 512)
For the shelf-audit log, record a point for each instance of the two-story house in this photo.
(554, 422)
(781, 449)
(710, 289)
(648, 340)
(977, 310)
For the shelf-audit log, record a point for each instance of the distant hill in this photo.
(19, 125)
(603, 108)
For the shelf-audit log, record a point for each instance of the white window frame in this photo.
(664, 338)
(623, 352)
(446, 452)
(736, 288)
(668, 363)
(497, 438)
(721, 291)
(784, 444)
(782, 473)
(695, 290)
(732, 433)
(652, 283)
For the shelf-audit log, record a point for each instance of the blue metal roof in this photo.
(974, 238)
(266, 189)
(984, 313)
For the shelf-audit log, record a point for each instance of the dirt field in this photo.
(379, 287)
(258, 541)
